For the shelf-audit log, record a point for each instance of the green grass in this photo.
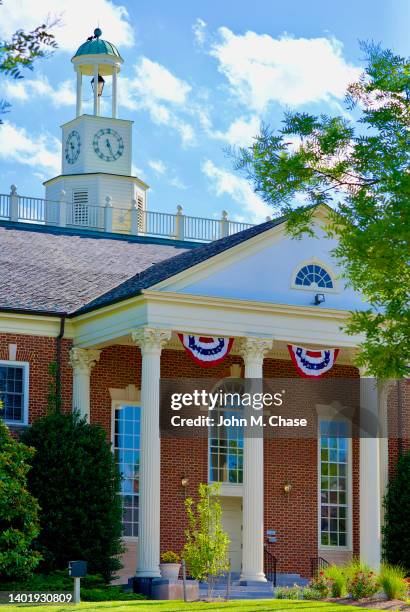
(171, 606)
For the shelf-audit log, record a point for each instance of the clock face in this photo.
(72, 147)
(108, 144)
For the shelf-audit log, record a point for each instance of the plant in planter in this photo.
(169, 566)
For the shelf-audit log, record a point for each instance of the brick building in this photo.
(91, 281)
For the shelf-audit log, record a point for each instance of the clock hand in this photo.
(107, 142)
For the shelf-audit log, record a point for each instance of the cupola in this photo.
(97, 58)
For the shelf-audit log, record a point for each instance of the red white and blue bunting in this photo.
(205, 351)
(312, 363)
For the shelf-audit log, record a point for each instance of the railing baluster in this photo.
(149, 223)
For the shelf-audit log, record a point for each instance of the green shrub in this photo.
(310, 593)
(295, 592)
(336, 577)
(361, 580)
(393, 581)
(169, 557)
(396, 531)
(19, 522)
(77, 484)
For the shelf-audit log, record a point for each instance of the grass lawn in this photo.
(171, 606)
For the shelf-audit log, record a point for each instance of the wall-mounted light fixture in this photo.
(287, 487)
(319, 298)
(184, 484)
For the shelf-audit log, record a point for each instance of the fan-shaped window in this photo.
(314, 275)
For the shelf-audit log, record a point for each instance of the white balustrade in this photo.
(62, 213)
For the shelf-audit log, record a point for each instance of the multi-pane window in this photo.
(314, 275)
(12, 392)
(334, 481)
(226, 450)
(127, 457)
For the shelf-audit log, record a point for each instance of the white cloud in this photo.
(163, 95)
(199, 30)
(63, 95)
(156, 81)
(77, 20)
(292, 71)
(157, 165)
(40, 151)
(240, 133)
(227, 183)
(177, 183)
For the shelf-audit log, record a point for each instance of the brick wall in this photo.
(40, 352)
(293, 515)
(398, 422)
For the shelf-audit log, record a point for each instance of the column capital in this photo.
(84, 359)
(151, 339)
(254, 349)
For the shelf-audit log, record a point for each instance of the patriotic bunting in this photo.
(206, 352)
(310, 363)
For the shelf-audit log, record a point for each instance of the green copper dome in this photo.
(97, 46)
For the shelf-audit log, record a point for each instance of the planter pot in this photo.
(169, 571)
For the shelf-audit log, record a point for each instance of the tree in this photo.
(76, 481)
(206, 547)
(361, 170)
(396, 531)
(19, 523)
(23, 50)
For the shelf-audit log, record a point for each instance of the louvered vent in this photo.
(80, 208)
(141, 216)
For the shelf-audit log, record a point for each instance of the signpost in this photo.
(77, 570)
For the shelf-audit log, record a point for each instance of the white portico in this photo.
(247, 322)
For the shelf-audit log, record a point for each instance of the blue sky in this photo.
(197, 77)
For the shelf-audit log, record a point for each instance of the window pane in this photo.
(127, 456)
(226, 450)
(333, 483)
(11, 393)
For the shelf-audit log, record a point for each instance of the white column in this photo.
(370, 498)
(96, 101)
(114, 93)
(82, 361)
(384, 389)
(150, 342)
(79, 92)
(253, 352)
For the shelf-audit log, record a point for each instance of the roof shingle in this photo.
(67, 272)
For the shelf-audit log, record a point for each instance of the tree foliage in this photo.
(76, 481)
(19, 523)
(360, 169)
(206, 548)
(23, 50)
(396, 541)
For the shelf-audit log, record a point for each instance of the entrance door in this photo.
(232, 524)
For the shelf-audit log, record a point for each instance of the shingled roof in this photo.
(55, 271)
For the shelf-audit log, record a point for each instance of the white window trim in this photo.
(322, 264)
(329, 413)
(26, 376)
(130, 397)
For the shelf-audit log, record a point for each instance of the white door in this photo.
(232, 524)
